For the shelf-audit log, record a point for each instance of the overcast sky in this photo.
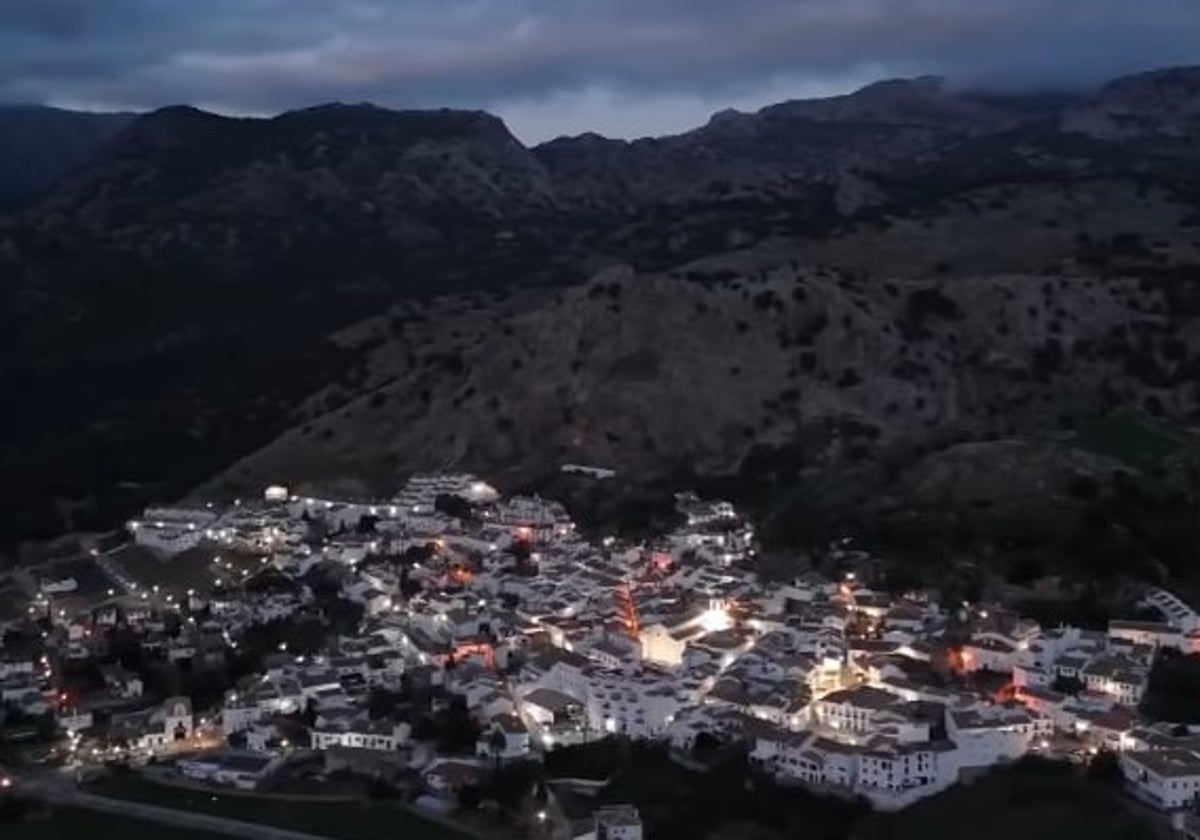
(621, 67)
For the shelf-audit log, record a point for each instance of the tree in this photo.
(457, 730)
(511, 785)
(496, 744)
(1105, 769)
(381, 702)
(379, 789)
(309, 715)
(453, 505)
(418, 554)
(1173, 692)
(705, 746)
(469, 797)
(1067, 685)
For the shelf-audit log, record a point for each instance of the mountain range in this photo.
(41, 145)
(349, 292)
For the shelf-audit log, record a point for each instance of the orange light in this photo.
(629, 607)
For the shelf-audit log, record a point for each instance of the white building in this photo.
(1174, 610)
(641, 706)
(618, 822)
(852, 710)
(239, 769)
(1120, 677)
(159, 728)
(505, 740)
(987, 735)
(664, 646)
(357, 731)
(1167, 779)
(1154, 634)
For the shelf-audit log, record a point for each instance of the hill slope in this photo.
(169, 306)
(39, 145)
(649, 374)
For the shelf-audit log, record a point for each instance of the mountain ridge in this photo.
(170, 304)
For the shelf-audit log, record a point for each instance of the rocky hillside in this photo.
(169, 306)
(649, 374)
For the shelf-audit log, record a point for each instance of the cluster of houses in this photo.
(553, 640)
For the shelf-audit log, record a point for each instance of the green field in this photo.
(71, 823)
(1129, 438)
(344, 820)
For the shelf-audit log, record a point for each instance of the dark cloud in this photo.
(664, 61)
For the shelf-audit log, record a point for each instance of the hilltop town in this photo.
(446, 632)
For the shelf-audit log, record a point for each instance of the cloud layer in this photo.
(624, 67)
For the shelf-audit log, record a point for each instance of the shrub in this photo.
(849, 378)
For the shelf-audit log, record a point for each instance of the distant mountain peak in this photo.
(928, 84)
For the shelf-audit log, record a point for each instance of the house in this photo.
(350, 728)
(888, 766)
(618, 822)
(122, 684)
(640, 706)
(1154, 634)
(852, 709)
(23, 692)
(505, 740)
(1110, 729)
(15, 667)
(558, 669)
(608, 653)
(241, 769)
(1120, 677)
(1166, 779)
(156, 729)
(74, 720)
(545, 706)
(987, 735)
(988, 652)
(664, 646)
(906, 617)
(1045, 702)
